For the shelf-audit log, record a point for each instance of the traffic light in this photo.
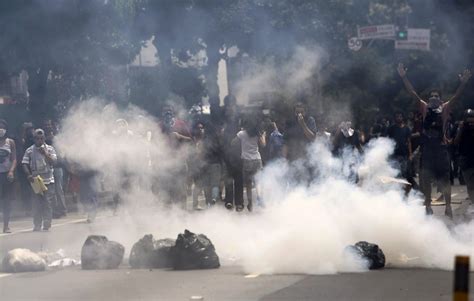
(401, 27)
(402, 33)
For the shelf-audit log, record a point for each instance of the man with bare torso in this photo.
(434, 149)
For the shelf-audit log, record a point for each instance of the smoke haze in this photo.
(303, 229)
(290, 77)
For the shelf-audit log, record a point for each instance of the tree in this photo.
(74, 40)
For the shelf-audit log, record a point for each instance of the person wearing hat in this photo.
(7, 172)
(38, 161)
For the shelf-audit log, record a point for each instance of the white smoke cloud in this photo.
(93, 137)
(292, 76)
(303, 229)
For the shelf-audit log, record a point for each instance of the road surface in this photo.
(227, 283)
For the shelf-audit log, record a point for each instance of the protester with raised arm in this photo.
(434, 149)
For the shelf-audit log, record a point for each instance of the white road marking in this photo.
(251, 276)
(75, 221)
(4, 275)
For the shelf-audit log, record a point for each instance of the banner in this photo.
(376, 32)
(418, 39)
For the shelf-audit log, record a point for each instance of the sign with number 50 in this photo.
(354, 44)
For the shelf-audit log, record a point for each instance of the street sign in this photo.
(386, 31)
(418, 39)
(354, 44)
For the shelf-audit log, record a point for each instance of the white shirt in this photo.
(249, 146)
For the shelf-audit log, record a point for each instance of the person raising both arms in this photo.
(434, 142)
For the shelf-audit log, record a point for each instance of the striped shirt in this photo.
(38, 164)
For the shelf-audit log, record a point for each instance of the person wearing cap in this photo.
(39, 160)
(7, 172)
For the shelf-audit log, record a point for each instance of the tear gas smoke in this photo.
(118, 144)
(292, 76)
(304, 227)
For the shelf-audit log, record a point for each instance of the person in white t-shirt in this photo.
(250, 140)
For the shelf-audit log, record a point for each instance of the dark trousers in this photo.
(5, 198)
(435, 169)
(468, 174)
(234, 185)
(26, 193)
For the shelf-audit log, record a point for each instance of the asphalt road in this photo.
(227, 283)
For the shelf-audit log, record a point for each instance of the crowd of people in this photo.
(230, 147)
(32, 159)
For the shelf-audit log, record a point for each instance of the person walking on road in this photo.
(7, 172)
(38, 161)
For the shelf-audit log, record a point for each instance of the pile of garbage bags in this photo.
(189, 251)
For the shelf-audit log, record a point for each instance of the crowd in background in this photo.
(231, 145)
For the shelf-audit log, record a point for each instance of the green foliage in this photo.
(78, 41)
(73, 41)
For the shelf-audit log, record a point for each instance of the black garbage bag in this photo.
(193, 251)
(151, 253)
(370, 252)
(98, 253)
